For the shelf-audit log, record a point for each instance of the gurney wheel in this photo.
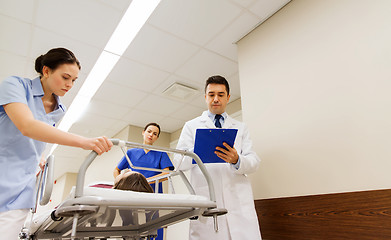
(23, 234)
(214, 212)
(54, 218)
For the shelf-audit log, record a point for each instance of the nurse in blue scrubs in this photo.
(29, 110)
(147, 158)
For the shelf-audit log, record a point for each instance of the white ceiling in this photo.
(183, 41)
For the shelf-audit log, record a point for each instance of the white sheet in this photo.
(126, 194)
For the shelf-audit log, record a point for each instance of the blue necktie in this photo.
(217, 122)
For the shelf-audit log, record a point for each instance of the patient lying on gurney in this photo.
(133, 181)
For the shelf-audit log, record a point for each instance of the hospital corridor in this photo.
(195, 119)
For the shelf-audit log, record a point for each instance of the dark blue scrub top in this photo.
(152, 159)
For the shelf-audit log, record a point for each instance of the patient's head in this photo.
(134, 181)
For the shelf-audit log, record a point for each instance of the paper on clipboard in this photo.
(206, 141)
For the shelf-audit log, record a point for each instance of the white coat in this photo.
(232, 187)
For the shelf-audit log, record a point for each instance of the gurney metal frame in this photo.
(69, 219)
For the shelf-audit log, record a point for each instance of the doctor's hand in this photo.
(230, 155)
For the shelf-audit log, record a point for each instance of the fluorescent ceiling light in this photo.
(130, 24)
(98, 74)
(133, 20)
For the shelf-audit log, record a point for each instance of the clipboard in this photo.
(206, 141)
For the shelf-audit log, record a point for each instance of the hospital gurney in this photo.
(98, 213)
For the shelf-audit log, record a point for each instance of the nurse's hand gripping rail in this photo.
(101, 213)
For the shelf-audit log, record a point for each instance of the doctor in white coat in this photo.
(232, 186)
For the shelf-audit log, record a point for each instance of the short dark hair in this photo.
(54, 58)
(134, 181)
(217, 79)
(152, 124)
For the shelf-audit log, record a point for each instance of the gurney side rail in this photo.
(93, 155)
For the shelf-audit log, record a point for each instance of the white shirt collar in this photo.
(212, 116)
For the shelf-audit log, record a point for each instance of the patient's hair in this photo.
(133, 181)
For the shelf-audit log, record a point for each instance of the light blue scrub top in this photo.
(20, 155)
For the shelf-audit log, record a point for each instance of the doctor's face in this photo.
(216, 98)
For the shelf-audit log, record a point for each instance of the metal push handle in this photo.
(48, 180)
(45, 184)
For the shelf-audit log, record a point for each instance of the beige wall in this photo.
(320, 114)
